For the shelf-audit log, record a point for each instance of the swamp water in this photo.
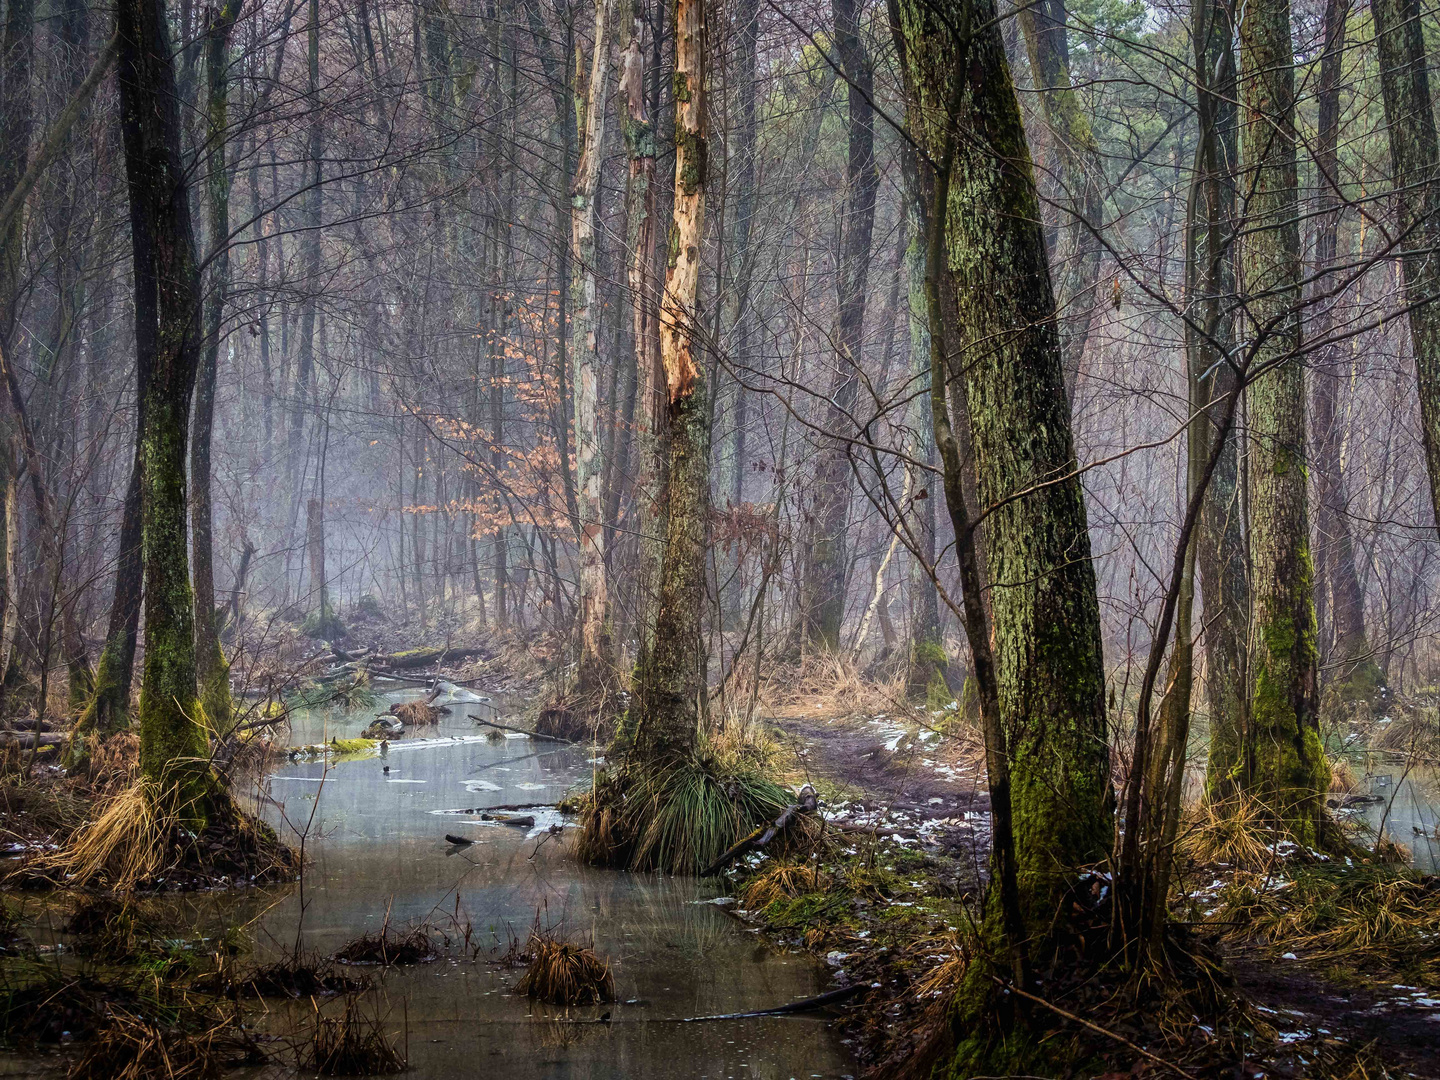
(375, 845)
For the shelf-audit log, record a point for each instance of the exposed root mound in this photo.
(351, 1044)
(678, 816)
(142, 840)
(563, 973)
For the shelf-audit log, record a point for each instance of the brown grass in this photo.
(782, 881)
(353, 1044)
(825, 684)
(130, 1047)
(127, 844)
(563, 973)
(1234, 832)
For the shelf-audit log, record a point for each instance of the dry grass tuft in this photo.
(353, 1044)
(1235, 832)
(563, 973)
(130, 1047)
(1372, 917)
(127, 844)
(1343, 780)
(827, 684)
(782, 881)
(417, 713)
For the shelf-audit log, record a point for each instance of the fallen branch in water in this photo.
(523, 731)
(808, 1005)
(762, 836)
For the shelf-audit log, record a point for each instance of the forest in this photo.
(658, 538)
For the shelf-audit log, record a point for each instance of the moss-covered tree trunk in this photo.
(1049, 679)
(168, 340)
(1210, 290)
(1415, 159)
(1047, 45)
(109, 708)
(1282, 761)
(212, 669)
(822, 598)
(670, 681)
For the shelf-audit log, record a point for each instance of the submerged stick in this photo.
(762, 836)
(808, 1005)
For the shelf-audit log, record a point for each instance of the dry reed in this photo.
(563, 973)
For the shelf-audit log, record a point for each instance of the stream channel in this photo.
(375, 844)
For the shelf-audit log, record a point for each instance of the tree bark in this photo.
(168, 341)
(670, 682)
(1046, 43)
(1356, 675)
(1415, 161)
(1046, 741)
(823, 597)
(1210, 287)
(638, 128)
(1283, 763)
(597, 662)
(212, 670)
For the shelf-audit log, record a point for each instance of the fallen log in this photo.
(29, 740)
(528, 821)
(29, 723)
(762, 836)
(832, 997)
(523, 731)
(419, 658)
(458, 840)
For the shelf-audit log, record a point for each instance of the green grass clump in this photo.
(678, 816)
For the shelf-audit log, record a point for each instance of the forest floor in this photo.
(889, 896)
(888, 902)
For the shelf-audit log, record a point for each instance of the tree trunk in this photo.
(1043, 25)
(1046, 740)
(1210, 284)
(1415, 160)
(638, 128)
(212, 669)
(670, 681)
(823, 597)
(168, 341)
(1284, 764)
(1356, 676)
(109, 707)
(597, 662)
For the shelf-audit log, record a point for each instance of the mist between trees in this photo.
(1078, 361)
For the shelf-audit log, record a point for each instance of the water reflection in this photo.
(376, 844)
